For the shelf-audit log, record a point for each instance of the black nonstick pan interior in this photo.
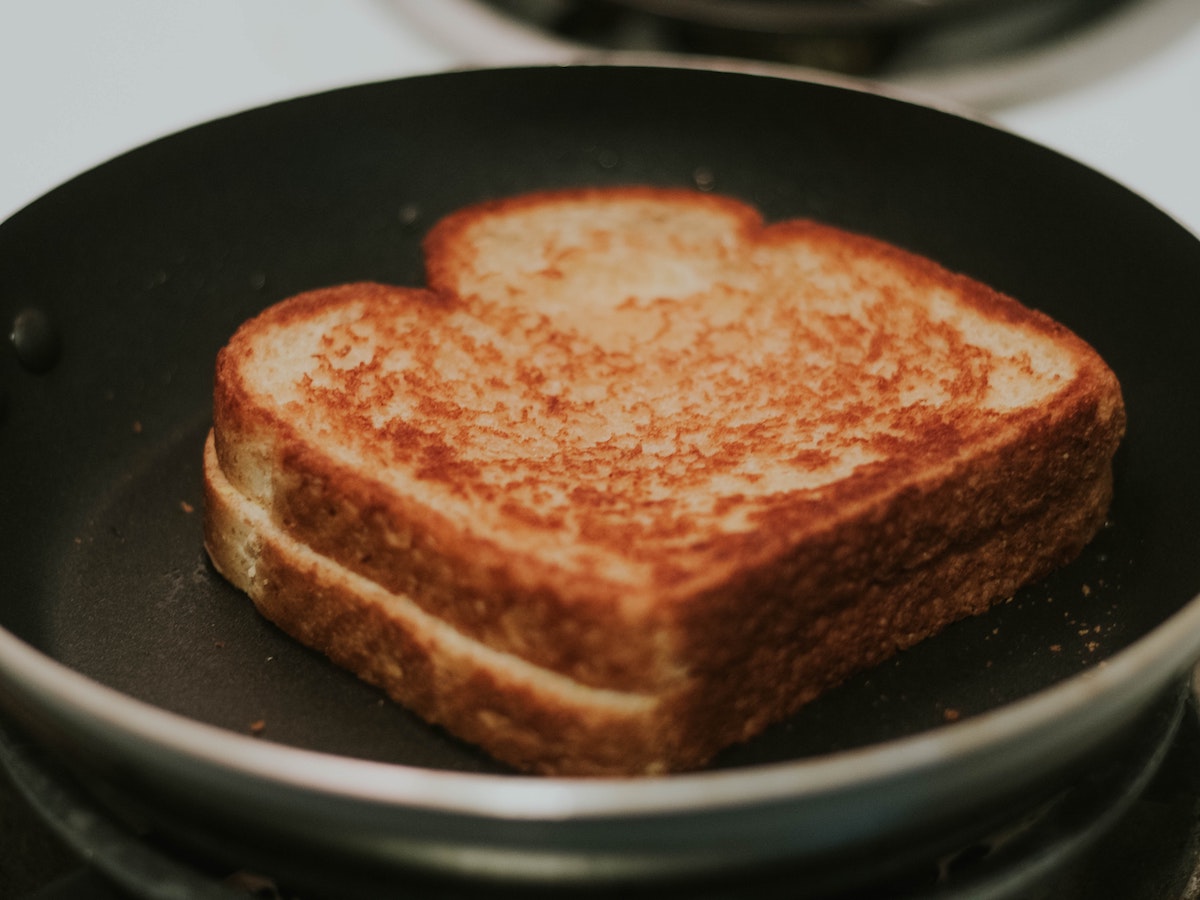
(141, 269)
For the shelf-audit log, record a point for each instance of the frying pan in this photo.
(124, 657)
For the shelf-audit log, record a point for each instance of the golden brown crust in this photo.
(522, 719)
(780, 663)
(694, 539)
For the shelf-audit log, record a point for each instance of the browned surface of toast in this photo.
(645, 444)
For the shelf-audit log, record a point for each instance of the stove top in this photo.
(884, 39)
(1129, 828)
(97, 80)
(988, 54)
(124, 73)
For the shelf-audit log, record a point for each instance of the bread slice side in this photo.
(534, 719)
(540, 721)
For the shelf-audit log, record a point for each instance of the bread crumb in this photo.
(137, 426)
(252, 885)
(186, 507)
(1087, 590)
(1056, 648)
(409, 213)
(258, 726)
(950, 714)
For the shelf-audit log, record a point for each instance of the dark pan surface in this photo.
(145, 265)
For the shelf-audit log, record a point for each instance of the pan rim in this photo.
(1133, 675)
(31, 680)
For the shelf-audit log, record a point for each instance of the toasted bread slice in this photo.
(638, 443)
(485, 695)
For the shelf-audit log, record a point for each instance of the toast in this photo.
(637, 474)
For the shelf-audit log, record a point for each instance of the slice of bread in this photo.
(637, 474)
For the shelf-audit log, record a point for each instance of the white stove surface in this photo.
(82, 81)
